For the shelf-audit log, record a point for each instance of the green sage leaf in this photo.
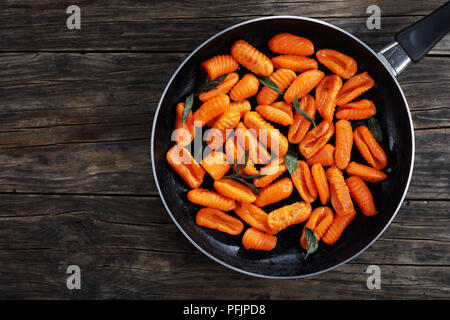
(290, 159)
(246, 156)
(250, 185)
(312, 242)
(252, 176)
(231, 176)
(296, 105)
(270, 84)
(375, 129)
(189, 102)
(209, 85)
(243, 163)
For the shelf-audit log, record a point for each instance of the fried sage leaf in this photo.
(188, 103)
(209, 85)
(296, 105)
(270, 84)
(312, 242)
(290, 159)
(375, 129)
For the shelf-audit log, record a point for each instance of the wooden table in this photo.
(76, 186)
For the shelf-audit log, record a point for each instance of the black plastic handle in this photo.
(423, 35)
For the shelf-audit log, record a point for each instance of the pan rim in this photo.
(264, 276)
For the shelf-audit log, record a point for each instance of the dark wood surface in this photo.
(76, 109)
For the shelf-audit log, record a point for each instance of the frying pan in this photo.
(287, 261)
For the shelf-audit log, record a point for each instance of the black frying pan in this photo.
(287, 259)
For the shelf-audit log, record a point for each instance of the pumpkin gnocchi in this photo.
(280, 119)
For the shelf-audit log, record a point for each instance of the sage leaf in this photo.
(239, 176)
(231, 176)
(270, 84)
(209, 85)
(188, 103)
(312, 242)
(252, 176)
(375, 129)
(243, 163)
(296, 105)
(290, 159)
(244, 176)
(246, 156)
(250, 185)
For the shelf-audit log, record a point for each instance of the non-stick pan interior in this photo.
(287, 260)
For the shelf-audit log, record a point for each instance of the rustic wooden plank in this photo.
(141, 223)
(61, 81)
(80, 123)
(17, 13)
(430, 69)
(45, 80)
(432, 118)
(155, 25)
(124, 88)
(108, 167)
(153, 275)
(75, 160)
(410, 240)
(430, 166)
(127, 247)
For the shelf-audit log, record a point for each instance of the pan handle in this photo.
(415, 41)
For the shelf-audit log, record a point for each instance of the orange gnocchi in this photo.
(272, 127)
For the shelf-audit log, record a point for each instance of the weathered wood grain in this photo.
(156, 25)
(127, 247)
(108, 167)
(141, 223)
(431, 119)
(114, 158)
(153, 275)
(76, 186)
(431, 167)
(16, 13)
(80, 123)
(123, 166)
(52, 81)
